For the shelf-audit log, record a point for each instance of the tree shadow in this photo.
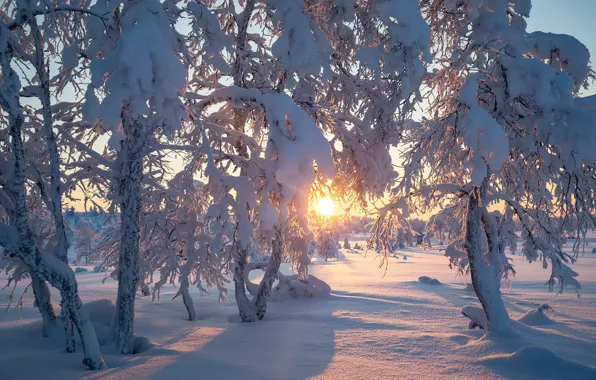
(296, 339)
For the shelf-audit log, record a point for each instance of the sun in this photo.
(325, 206)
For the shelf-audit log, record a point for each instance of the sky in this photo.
(574, 17)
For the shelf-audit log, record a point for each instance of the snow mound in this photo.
(293, 287)
(288, 286)
(537, 362)
(537, 317)
(141, 344)
(100, 311)
(476, 315)
(428, 280)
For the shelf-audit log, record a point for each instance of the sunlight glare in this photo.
(325, 206)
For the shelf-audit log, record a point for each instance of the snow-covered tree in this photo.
(505, 128)
(327, 246)
(400, 239)
(140, 103)
(84, 242)
(44, 263)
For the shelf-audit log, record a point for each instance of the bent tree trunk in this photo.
(43, 303)
(45, 266)
(264, 291)
(55, 192)
(245, 306)
(485, 277)
(62, 277)
(252, 311)
(186, 297)
(129, 190)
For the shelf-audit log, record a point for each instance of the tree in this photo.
(505, 128)
(138, 101)
(400, 239)
(327, 246)
(17, 238)
(84, 242)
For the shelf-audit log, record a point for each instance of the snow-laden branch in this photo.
(90, 151)
(21, 16)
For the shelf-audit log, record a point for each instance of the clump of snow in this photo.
(538, 316)
(537, 362)
(428, 280)
(294, 287)
(564, 52)
(101, 313)
(288, 286)
(141, 344)
(476, 315)
(154, 86)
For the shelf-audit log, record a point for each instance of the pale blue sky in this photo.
(574, 17)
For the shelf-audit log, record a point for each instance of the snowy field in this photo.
(373, 326)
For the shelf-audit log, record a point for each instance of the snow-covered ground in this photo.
(375, 325)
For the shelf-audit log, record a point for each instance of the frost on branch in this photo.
(504, 126)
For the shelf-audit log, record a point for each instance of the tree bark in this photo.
(55, 193)
(264, 291)
(246, 308)
(485, 278)
(46, 267)
(129, 190)
(43, 303)
(186, 298)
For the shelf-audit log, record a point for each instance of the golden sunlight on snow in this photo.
(174, 352)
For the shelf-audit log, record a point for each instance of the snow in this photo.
(373, 325)
(428, 280)
(538, 363)
(154, 85)
(536, 317)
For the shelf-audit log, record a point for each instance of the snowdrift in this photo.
(537, 317)
(537, 363)
(288, 286)
(101, 313)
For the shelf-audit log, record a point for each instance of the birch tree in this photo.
(17, 238)
(504, 127)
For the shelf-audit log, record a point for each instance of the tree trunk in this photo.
(55, 193)
(43, 303)
(61, 276)
(46, 267)
(129, 182)
(485, 277)
(186, 298)
(270, 274)
(245, 306)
